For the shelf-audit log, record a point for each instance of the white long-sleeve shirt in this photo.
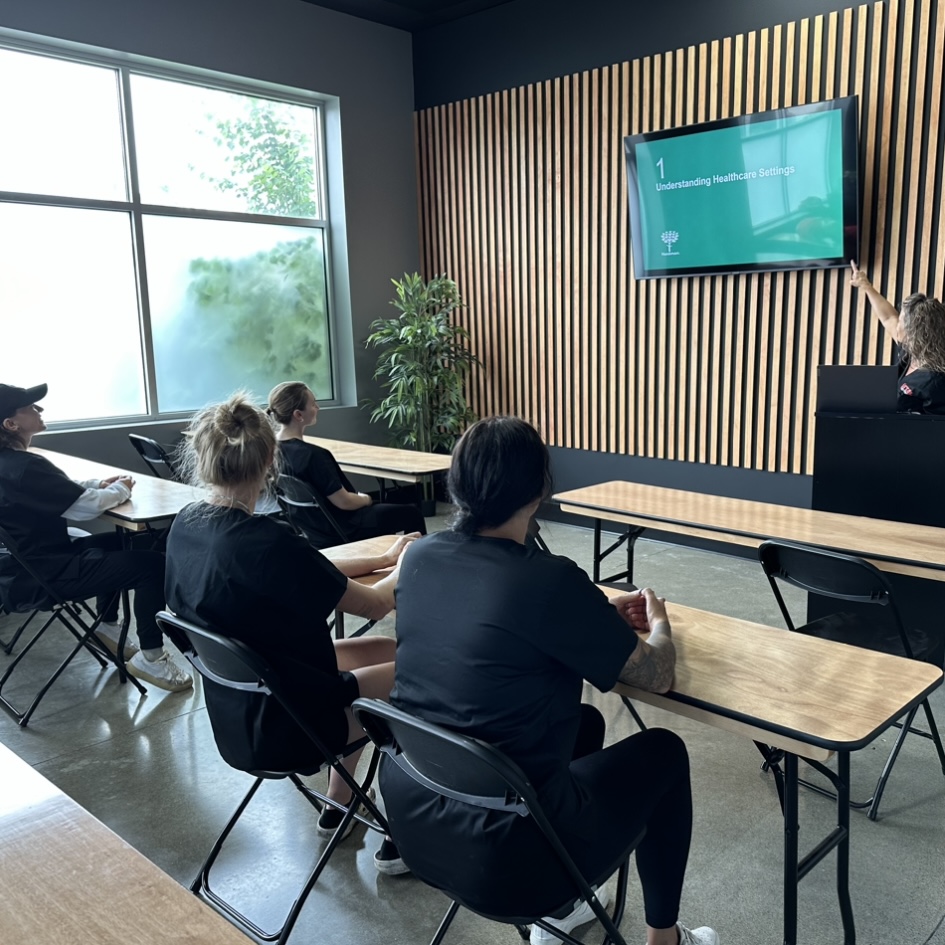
(96, 499)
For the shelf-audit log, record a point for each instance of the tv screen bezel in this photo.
(848, 106)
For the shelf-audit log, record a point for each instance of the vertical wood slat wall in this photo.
(523, 200)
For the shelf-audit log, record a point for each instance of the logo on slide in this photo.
(669, 237)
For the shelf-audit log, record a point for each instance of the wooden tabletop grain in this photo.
(383, 461)
(66, 878)
(892, 546)
(799, 693)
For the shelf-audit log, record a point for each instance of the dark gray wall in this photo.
(367, 66)
(531, 40)
(528, 41)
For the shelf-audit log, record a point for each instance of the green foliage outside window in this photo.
(272, 163)
(250, 323)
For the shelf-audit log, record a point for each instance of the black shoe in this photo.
(330, 819)
(388, 860)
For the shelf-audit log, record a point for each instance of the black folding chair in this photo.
(473, 772)
(232, 664)
(155, 457)
(848, 578)
(75, 616)
(303, 505)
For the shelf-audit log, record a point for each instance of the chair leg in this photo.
(871, 804)
(873, 811)
(59, 614)
(360, 796)
(632, 710)
(201, 884)
(8, 646)
(362, 629)
(934, 734)
(445, 924)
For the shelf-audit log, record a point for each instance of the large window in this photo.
(162, 241)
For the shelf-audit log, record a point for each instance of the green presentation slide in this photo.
(766, 192)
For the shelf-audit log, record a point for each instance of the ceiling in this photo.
(412, 15)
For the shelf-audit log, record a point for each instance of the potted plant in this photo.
(423, 364)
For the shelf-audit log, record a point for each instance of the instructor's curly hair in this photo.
(922, 331)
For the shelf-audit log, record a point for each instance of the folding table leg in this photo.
(791, 827)
(843, 847)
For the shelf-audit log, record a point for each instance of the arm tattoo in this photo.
(653, 672)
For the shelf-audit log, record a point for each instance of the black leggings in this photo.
(384, 518)
(101, 567)
(641, 781)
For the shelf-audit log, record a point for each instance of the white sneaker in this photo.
(163, 672)
(108, 633)
(700, 936)
(582, 914)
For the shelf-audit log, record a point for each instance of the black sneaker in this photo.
(388, 860)
(330, 819)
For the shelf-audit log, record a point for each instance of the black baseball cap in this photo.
(14, 398)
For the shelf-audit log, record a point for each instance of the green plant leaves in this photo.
(423, 362)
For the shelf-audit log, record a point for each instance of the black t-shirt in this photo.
(253, 579)
(316, 466)
(495, 639)
(921, 391)
(33, 495)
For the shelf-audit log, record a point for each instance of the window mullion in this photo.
(137, 234)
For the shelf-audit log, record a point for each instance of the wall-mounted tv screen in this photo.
(756, 193)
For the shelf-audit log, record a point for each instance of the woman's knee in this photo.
(375, 682)
(669, 748)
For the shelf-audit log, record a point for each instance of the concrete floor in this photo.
(149, 769)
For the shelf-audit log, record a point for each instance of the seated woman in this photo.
(294, 407)
(252, 578)
(495, 639)
(36, 498)
(920, 332)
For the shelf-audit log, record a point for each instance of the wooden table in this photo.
(66, 878)
(806, 696)
(383, 462)
(152, 500)
(915, 550)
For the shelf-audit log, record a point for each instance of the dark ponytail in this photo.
(499, 466)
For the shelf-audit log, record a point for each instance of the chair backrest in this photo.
(156, 458)
(234, 665)
(829, 574)
(459, 767)
(300, 501)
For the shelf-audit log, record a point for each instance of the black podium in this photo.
(881, 464)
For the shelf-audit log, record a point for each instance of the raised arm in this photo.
(652, 663)
(884, 309)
